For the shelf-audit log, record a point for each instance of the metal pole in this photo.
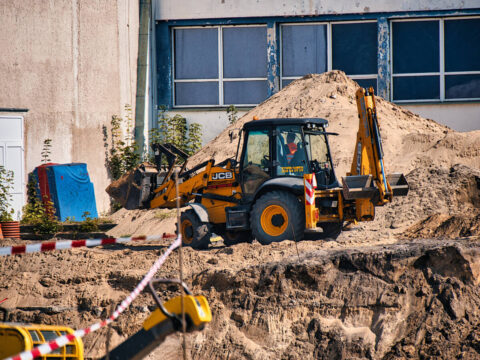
(180, 261)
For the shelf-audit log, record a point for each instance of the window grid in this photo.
(442, 73)
(220, 79)
(329, 49)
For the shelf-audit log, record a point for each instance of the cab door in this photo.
(256, 162)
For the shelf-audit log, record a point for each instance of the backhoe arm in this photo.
(367, 184)
(368, 154)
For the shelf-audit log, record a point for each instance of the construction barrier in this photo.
(70, 244)
(65, 339)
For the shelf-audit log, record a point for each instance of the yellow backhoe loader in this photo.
(280, 184)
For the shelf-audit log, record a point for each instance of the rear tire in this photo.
(277, 216)
(194, 233)
(332, 229)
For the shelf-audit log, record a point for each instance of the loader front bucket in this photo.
(133, 190)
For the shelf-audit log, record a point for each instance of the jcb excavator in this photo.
(280, 184)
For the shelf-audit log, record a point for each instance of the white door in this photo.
(11, 156)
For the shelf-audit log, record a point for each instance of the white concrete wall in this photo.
(73, 65)
(213, 121)
(207, 9)
(460, 117)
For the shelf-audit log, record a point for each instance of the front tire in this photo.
(332, 229)
(277, 216)
(194, 233)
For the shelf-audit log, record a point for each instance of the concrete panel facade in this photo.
(73, 65)
(215, 9)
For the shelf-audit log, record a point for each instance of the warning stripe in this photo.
(70, 244)
(310, 185)
(65, 339)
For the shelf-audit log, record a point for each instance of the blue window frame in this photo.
(462, 59)
(219, 65)
(306, 48)
(436, 59)
(416, 60)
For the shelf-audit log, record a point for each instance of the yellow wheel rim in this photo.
(274, 220)
(187, 231)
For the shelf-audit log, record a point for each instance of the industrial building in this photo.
(74, 64)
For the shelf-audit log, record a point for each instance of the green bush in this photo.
(122, 154)
(6, 187)
(88, 224)
(41, 215)
(232, 114)
(175, 130)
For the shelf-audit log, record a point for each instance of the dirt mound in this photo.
(433, 190)
(445, 226)
(403, 301)
(409, 140)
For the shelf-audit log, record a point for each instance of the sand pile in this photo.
(409, 140)
(421, 148)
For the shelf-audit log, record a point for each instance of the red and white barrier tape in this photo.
(65, 339)
(70, 244)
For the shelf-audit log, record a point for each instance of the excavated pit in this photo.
(412, 300)
(403, 286)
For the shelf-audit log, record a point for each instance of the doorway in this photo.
(12, 158)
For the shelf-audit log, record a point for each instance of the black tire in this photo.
(236, 237)
(277, 216)
(194, 233)
(332, 229)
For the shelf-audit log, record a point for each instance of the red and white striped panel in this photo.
(70, 244)
(310, 186)
(65, 339)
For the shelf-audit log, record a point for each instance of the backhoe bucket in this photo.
(133, 189)
(398, 183)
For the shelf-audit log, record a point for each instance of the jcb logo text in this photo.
(222, 176)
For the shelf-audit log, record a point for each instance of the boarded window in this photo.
(416, 47)
(416, 50)
(196, 53)
(244, 52)
(462, 50)
(354, 48)
(304, 49)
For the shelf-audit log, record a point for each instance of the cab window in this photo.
(291, 155)
(256, 161)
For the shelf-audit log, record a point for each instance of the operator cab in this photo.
(285, 148)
